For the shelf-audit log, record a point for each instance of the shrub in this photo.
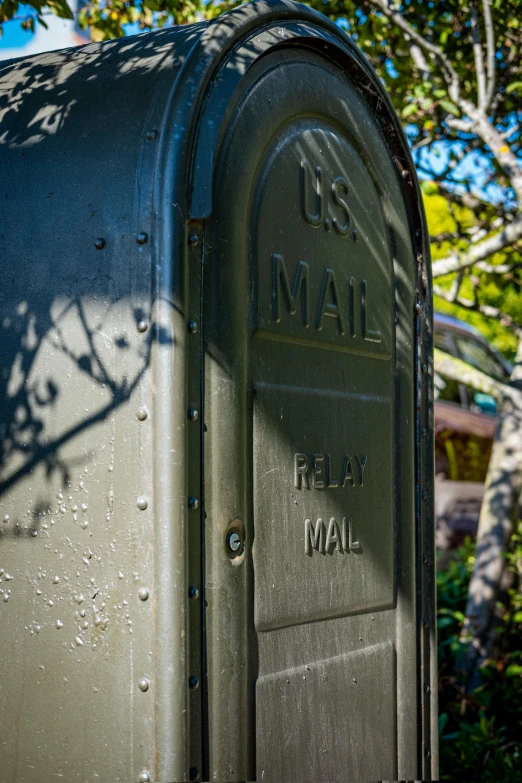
(481, 732)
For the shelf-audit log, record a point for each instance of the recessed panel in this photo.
(344, 706)
(324, 275)
(323, 504)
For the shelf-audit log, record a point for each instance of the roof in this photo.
(440, 319)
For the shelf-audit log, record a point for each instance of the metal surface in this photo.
(215, 312)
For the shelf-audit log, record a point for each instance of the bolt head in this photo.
(194, 773)
(142, 413)
(143, 685)
(142, 326)
(142, 237)
(99, 243)
(355, 235)
(193, 592)
(151, 135)
(193, 240)
(192, 327)
(144, 777)
(193, 682)
(234, 542)
(193, 503)
(143, 593)
(193, 414)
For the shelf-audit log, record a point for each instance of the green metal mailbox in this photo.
(216, 528)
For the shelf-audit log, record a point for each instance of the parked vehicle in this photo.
(465, 422)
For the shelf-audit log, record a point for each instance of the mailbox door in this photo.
(309, 447)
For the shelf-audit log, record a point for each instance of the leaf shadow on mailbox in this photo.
(301, 367)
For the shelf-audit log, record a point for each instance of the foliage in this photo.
(498, 291)
(481, 731)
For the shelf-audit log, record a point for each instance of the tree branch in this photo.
(479, 58)
(488, 247)
(490, 44)
(448, 70)
(487, 310)
(461, 372)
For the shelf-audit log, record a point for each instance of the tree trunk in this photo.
(498, 515)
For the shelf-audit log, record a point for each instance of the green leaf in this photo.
(443, 719)
(429, 188)
(513, 86)
(60, 8)
(450, 107)
(408, 110)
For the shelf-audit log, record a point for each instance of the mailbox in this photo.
(216, 530)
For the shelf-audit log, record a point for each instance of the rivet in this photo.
(142, 413)
(193, 682)
(424, 495)
(193, 503)
(426, 688)
(355, 235)
(193, 240)
(418, 307)
(193, 592)
(424, 368)
(328, 224)
(143, 593)
(193, 414)
(143, 685)
(427, 753)
(151, 135)
(177, 62)
(425, 622)
(194, 773)
(192, 327)
(142, 326)
(425, 559)
(99, 244)
(144, 777)
(142, 503)
(423, 431)
(405, 173)
(234, 542)
(142, 237)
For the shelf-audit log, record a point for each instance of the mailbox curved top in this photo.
(104, 104)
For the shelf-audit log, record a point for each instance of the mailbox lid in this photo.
(312, 397)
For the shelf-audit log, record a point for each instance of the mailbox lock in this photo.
(234, 542)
